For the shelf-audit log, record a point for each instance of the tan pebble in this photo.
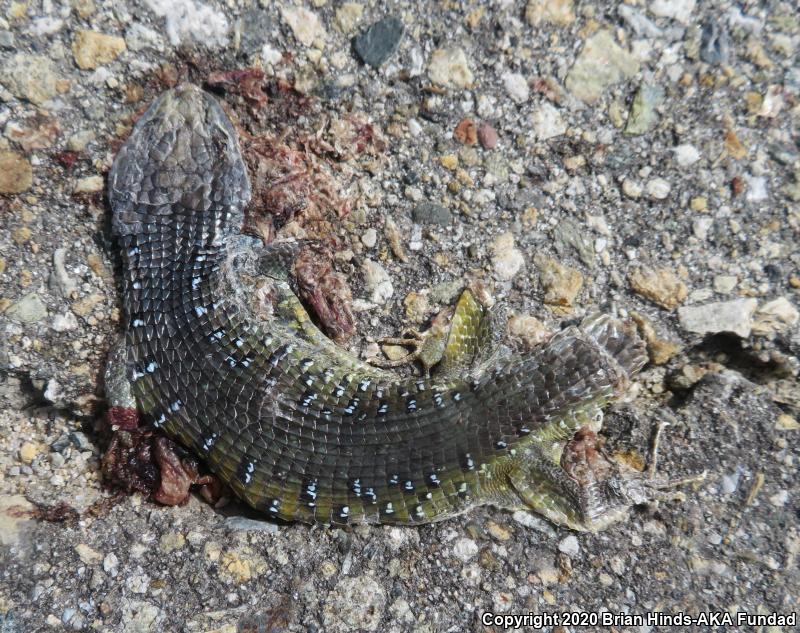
(528, 329)
(561, 283)
(348, 16)
(631, 188)
(474, 17)
(232, 567)
(507, 260)
(785, 422)
(574, 163)
(96, 265)
(660, 350)
(559, 12)
(21, 234)
(90, 184)
(84, 8)
(92, 49)
(699, 204)
(734, 146)
(28, 452)
(529, 216)
(449, 161)
(84, 306)
(660, 285)
(171, 541)
(417, 306)
(88, 555)
(16, 174)
(498, 531)
(328, 569)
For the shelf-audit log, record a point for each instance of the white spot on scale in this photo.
(200, 310)
(209, 442)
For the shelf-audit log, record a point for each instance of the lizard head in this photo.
(182, 160)
(607, 488)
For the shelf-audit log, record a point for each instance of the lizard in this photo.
(298, 427)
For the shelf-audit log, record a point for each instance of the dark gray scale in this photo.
(340, 515)
(206, 442)
(245, 471)
(309, 492)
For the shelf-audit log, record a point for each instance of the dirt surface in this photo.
(641, 157)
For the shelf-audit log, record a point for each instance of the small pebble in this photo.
(686, 155)
(658, 188)
(487, 136)
(431, 213)
(369, 238)
(379, 42)
(516, 86)
(569, 546)
(466, 132)
(731, 316)
(714, 43)
(631, 188)
(464, 549)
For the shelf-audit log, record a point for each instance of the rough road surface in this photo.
(569, 156)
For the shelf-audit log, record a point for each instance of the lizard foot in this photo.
(460, 341)
(589, 490)
(427, 348)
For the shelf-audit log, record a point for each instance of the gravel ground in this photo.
(570, 155)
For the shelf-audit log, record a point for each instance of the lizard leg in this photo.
(427, 348)
(587, 490)
(285, 272)
(473, 339)
(138, 460)
(463, 346)
(122, 412)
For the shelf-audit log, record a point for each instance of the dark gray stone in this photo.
(377, 44)
(80, 441)
(431, 213)
(256, 25)
(6, 39)
(714, 44)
